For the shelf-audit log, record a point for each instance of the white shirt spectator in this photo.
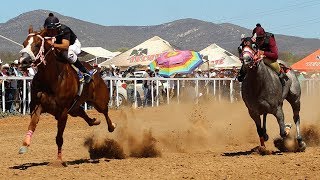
(32, 72)
(213, 74)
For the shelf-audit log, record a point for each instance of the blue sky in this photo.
(290, 17)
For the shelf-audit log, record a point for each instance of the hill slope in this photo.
(185, 34)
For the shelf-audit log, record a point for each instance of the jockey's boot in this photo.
(241, 74)
(87, 75)
(283, 78)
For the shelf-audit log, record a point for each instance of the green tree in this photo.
(8, 57)
(289, 57)
(122, 49)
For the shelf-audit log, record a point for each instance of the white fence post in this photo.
(24, 89)
(117, 94)
(231, 91)
(197, 91)
(111, 93)
(178, 91)
(29, 92)
(214, 87)
(135, 94)
(168, 89)
(3, 98)
(157, 92)
(152, 98)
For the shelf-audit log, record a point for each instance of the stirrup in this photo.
(87, 77)
(282, 81)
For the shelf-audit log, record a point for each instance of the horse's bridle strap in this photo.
(40, 54)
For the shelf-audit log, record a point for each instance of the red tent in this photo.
(309, 63)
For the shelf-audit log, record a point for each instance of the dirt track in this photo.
(210, 141)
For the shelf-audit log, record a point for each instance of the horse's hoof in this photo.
(265, 137)
(111, 129)
(302, 146)
(23, 150)
(95, 122)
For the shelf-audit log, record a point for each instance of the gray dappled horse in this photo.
(263, 93)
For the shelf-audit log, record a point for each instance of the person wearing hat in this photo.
(67, 41)
(146, 86)
(156, 70)
(5, 69)
(267, 47)
(160, 84)
(130, 85)
(15, 67)
(9, 90)
(212, 72)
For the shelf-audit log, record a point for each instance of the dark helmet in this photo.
(51, 22)
(258, 30)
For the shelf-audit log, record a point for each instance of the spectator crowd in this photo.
(148, 87)
(13, 87)
(144, 95)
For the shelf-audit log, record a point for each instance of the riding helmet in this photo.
(259, 31)
(51, 22)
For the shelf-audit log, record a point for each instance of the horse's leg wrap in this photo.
(59, 157)
(29, 133)
(302, 144)
(27, 139)
(262, 142)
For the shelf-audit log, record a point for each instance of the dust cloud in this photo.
(210, 125)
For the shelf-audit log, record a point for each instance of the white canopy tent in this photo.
(142, 54)
(98, 52)
(218, 58)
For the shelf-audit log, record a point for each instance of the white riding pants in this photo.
(73, 51)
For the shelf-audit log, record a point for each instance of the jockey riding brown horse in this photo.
(264, 94)
(55, 89)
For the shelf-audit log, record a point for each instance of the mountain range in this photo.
(189, 34)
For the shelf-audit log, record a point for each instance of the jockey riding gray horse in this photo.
(263, 93)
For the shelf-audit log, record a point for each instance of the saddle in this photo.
(284, 68)
(82, 82)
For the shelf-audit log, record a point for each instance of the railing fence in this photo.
(162, 91)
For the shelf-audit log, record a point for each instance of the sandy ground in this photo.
(212, 140)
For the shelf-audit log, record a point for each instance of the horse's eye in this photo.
(254, 46)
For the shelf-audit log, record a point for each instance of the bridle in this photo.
(248, 51)
(41, 56)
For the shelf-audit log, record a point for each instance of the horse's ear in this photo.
(30, 29)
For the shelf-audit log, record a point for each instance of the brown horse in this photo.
(55, 87)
